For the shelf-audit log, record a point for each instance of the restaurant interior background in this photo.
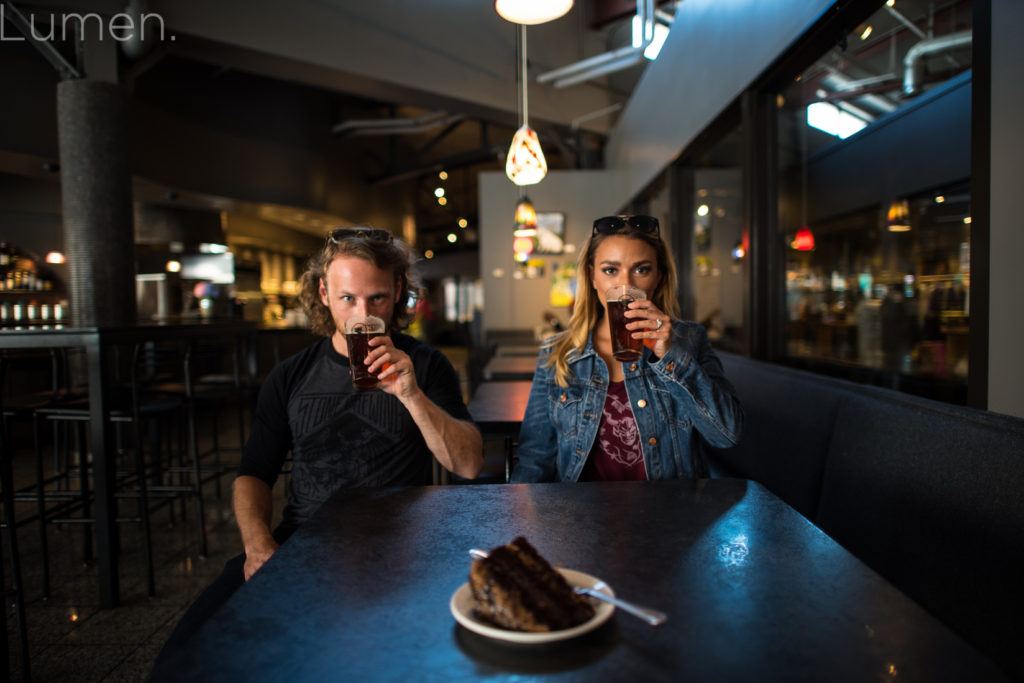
(829, 190)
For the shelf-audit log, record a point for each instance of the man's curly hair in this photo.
(393, 255)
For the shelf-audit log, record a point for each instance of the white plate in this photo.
(461, 606)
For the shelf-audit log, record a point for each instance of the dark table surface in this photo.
(510, 368)
(528, 350)
(754, 592)
(499, 406)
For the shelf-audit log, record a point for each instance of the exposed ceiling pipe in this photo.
(589, 63)
(390, 124)
(607, 68)
(855, 110)
(665, 17)
(409, 129)
(911, 62)
(907, 22)
(610, 109)
(605, 63)
(839, 82)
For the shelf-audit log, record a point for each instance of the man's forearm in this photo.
(456, 444)
(253, 505)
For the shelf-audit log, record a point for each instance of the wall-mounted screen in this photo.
(218, 268)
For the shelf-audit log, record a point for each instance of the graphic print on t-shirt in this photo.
(616, 454)
(343, 438)
(352, 437)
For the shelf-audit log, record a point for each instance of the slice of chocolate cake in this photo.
(517, 589)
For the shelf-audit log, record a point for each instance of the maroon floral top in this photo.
(616, 455)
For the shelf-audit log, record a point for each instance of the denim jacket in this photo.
(676, 401)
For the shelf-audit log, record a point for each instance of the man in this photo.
(341, 437)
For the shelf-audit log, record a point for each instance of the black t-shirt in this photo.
(341, 437)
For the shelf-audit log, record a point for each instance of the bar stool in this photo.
(16, 591)
(138, 402)
(206, 388)
(210, 385)
(18, 406)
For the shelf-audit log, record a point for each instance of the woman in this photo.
(590, 417)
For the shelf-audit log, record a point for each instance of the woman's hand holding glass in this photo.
(651, 325)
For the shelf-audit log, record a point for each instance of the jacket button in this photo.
(642, 403)
(653, 441)
(632, 367)
(562, 398)
(671, 366)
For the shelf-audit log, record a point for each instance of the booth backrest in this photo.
(787, 427)
(930, 495)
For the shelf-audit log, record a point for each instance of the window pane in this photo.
(874, 204)
(719, 261)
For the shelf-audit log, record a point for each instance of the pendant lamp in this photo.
(525, 164)
(525, 230)
(531, 11)
(804, 240)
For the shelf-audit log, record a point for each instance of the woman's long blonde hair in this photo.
(587, 309)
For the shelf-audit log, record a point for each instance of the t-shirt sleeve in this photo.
(270, 438)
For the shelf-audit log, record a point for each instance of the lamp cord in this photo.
(803, 156)
(522, 74)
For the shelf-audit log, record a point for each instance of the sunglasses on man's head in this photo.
(647, 225)
(375, 234)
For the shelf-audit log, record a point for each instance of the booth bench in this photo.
(930, 495)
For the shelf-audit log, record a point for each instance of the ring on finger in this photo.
(660, 323)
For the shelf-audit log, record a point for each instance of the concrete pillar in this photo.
(96, 188)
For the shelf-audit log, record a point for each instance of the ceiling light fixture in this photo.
(525, 164)
(531, 11)
(525, 230)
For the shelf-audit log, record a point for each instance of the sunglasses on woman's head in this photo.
(375, 234)
(647, 225)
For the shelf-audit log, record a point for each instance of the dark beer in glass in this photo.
(359, 330)
(624, 347)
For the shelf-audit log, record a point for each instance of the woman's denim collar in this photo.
(575, 355)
